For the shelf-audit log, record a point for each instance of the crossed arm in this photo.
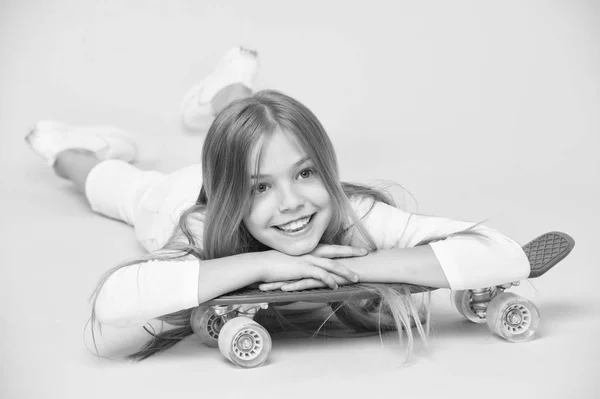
(138, 293)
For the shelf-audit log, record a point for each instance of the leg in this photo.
(149, 201)
(229, 94)
(50, 138)
(75, 165)
(96, 160)
(76, 153)
(231, 79)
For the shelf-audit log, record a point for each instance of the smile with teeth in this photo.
(296, 225)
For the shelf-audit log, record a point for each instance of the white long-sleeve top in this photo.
(135, 294)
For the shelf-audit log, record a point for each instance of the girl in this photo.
(266, 206)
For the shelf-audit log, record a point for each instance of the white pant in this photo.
(149, 201)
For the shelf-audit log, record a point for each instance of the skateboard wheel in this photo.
(206, 325)
(512, 317)
(462, 302)
(244, 342)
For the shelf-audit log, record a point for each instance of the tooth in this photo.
(295, 225)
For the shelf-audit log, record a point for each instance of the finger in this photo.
(342, 280)
(272, 286)
(323, 275)
(310, 283)
(339, 251)
(336, 267)
(305, 284)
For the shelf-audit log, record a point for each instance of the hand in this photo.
(303, 284)
(322, 252)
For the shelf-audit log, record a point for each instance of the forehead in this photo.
(277, 154)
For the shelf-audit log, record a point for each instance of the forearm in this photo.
(459, 262)
(416, 265)
(469, 255)
(138, 293)
(220, 276)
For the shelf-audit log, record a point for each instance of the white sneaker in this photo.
(239, 65)
(49, 138)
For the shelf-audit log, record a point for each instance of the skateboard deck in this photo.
(543, 252)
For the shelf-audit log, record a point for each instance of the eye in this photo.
(307, 173)
(260, 188)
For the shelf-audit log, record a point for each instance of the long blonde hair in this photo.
(224, 199)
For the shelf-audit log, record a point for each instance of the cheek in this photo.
(324, 201)
(322, 197)
(257, 216)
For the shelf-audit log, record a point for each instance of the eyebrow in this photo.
(298, 163)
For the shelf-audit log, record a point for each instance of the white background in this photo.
(480, 109)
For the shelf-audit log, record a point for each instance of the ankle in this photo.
(68, 160)
(229, 94)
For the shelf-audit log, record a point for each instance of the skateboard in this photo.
(227, 321)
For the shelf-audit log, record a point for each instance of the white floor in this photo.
(480, 111)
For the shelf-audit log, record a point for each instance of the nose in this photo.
(290, 200)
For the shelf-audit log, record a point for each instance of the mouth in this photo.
(297, 225)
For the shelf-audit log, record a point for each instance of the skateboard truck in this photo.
(241, 309)
(481, 297)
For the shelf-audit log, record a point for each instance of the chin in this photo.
(297, 250)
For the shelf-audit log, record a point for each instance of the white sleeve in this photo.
(468, 260)
(135, 294)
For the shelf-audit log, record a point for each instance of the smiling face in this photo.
(291, 207)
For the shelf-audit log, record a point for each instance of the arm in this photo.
(417, 265)
(458, 260)
(135, 294)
